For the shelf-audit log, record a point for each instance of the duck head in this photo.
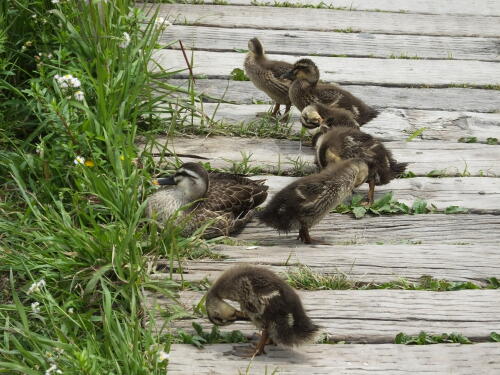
(220, 312)
(304, 69)
(191, 179)
(310, 117)
(255, 46)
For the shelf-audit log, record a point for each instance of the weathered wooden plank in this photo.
(479, 194)
(375, 263)
(387, 359)
(448, 99)
(390, 125)
(346, 70)
(377, 316)
(331, 20)
(425, 229)
(327, 43)
(464, 7)
(279, 156)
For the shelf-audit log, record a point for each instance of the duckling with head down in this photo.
(221, 201)
(341, 143)
(266, 75)
(306, 89)
(304, 202)
(264, 298)
(317, 114)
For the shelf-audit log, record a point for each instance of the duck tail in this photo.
(372, 113)
(295, 329)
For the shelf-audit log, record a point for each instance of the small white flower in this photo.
(36, 286)
(71, 310)
(35, 308)
(125, 40)
(163, 22)
(49, 55)
(53, 369)
(74, 82)
(79, 160)
(79, 96)
(162, 356)
(55, 1)
(39, 148)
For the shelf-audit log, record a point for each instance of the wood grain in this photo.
(373, 263)
(278, 156)
(390, 125)
(426, 229)
(327, 43)
(465, 7)
(347, 70)
(447, 99)
(377, 316)
(387, 359)
(257, 17)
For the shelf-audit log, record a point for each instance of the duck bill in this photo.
(164, 181)
(288, 75)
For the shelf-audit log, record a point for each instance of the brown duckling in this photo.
(222, 201)
(306, 89)
(265, 75)
(304, 202)
(341, 143)
(264, 298)
(317, 114)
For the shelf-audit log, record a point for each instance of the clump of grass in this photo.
(424, 338)
(304, 277)
(238, 74)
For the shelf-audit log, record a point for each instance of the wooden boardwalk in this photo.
(429, 64)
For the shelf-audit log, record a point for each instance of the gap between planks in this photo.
(279, 156)
(392, 124)
(348, 70)
(330, 20)
(371, 263)
(318, 43)
(442, 99)
(386, 359)
(376, 316)
(459, 7)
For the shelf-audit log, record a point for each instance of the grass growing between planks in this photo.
(76, 252)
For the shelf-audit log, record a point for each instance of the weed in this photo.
(346, 30)
(304, 277)
(404, 56)
(467, 140)
(238, 74)
(491, 141)
(408, 174)
(417, 133)
(495, 337)
(424, 338)
(200, 338)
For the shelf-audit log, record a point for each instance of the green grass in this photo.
(303, 277)
(424, 338)
(76, 251)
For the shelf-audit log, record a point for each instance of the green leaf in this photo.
(238, 74)
(359, 212)
(386, 199)
(455, 210)
(467, 140)
(495, 336)
(415, 134)
(419, 207)
(491, 141)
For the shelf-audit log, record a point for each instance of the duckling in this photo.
(222, 201)
(304, 202)
(342, 143)
(265, 75)
(307, 89)
(266, 300)
(317, 114)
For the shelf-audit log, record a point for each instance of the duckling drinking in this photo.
(265, 75)
(317, 114)
(307, 89)
(223, 201)
(264, 298)
(304, 202)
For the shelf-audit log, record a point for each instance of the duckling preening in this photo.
(341, 143)
(306, 89)
(266, 75)
(317, 114)
(222, 201)
(265, 299)
(304, 202)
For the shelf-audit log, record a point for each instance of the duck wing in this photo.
(233, 193)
